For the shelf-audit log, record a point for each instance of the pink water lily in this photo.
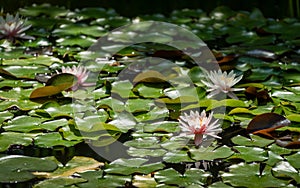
(222, 82)
(81, 74)
(199, 125)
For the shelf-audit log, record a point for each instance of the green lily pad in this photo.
(294, 160)
(72, 29)
(139, 105)
(55, 85)
(211, 153)
(134, 165)
(177, 157)
(18, 168)
(48, 140)
(154, 114)
(40, 60)
(190, 177)
(5, 115)
(43, 9)
(139, 152)
(149, 92)
(54, 124)
(147, 142)
(226, 103)
(122, 88)
(24, 124)
(247, 175)
(284, 170)
(250, 154)
(254, 141)
(273, 158)
(286, 95)
(82, 41)
(8, 139)
(164, 126)
(124, 121)
(96, 178)
(25, 71)
(59, 182)
(279, 150)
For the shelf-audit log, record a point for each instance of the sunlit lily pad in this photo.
(24, 124)
(254, 141)
(40, 60)
(293, 160)
(48, 140)
(211, 153)
(250, 154)
(247, 175)
(134, 165)
(58, 182)
(190, 177)
(284, 170)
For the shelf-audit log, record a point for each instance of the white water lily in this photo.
(222, 82)
(199, 125)
(13, 27)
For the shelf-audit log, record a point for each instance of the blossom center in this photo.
(200, 130)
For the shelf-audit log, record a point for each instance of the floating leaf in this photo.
(48, 140)
(8, 139)
(267, 122)
(122, 88)
(133, 165)
(284, 170)
(135, 152)
(211, 153)
(294, 160)
(77, 164)
(149, 92)
(177, 157)
(40, 60)
(248, 175)
(18, 168)
(150, 76)
(190, 177)
(253, 141)
(55, 85)
(250, 154)
(144, 181)
(59, 182)
(165, 126)
(24, 124)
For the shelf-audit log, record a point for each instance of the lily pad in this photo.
(134, 165)
(8, 139)
(190, 177)
(211, 153)
(284, 170)
(48, 140)
(247, 175)
(24, 124)
(254, 141)
(18, 168)
(250, 154)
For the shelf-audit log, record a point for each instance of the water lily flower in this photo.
(222, 82)
(81, 74)
(199, 125)
(13, 27)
